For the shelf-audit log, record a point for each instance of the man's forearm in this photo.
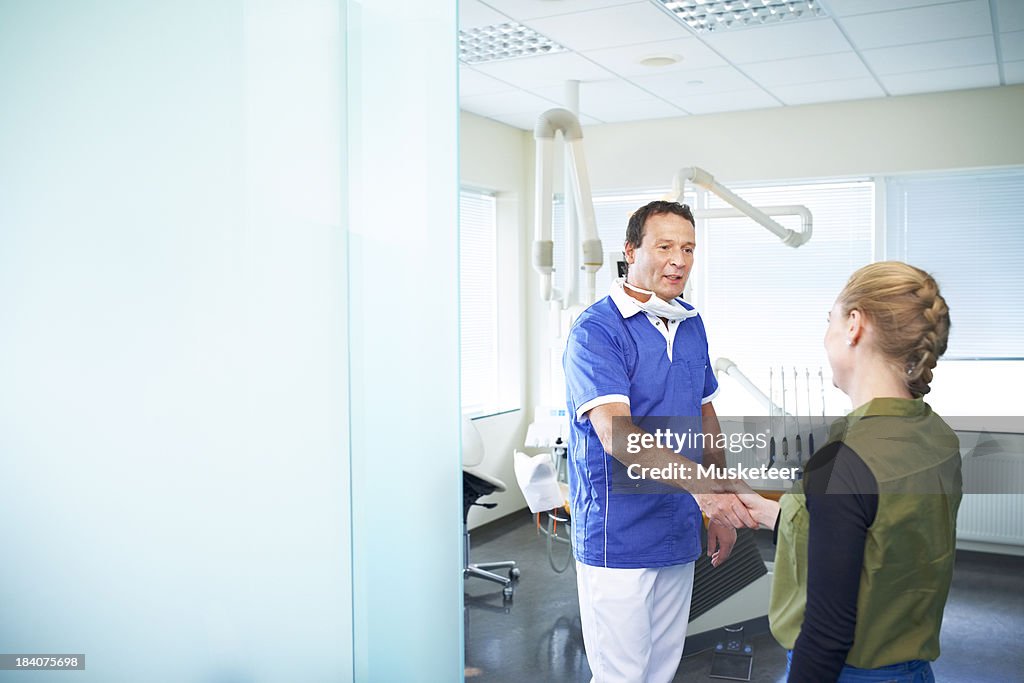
(714, 456)
(688, 478)
(616, 430)
(651, 458)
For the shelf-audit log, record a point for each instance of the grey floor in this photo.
(537, 637)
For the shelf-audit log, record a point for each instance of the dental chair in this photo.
(475, 485)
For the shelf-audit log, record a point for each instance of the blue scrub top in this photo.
(610, 354)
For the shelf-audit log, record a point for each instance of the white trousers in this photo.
(634, 621)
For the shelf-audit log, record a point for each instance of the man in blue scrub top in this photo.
(641, 352)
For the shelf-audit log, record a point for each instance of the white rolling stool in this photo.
(475, 485)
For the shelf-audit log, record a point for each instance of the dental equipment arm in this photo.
(549, 123)
(724, 365)
(702, 178)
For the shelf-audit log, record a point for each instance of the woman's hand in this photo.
(763, 510)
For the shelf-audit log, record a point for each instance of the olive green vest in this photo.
(908, 553)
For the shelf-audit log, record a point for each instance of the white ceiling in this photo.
(864, 48)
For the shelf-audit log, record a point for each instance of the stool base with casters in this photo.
(476, 485)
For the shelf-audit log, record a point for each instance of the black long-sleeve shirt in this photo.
(842, 501)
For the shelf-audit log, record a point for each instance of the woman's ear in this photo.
(854, 327)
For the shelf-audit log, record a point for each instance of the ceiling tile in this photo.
(840, 66)
(696, 82)
(1011, 46)
(634, 110)
(533, 72)
(1010, 14)
(474, 14)
(832, 91)
(615, 100)
(846, 8)
(639, 22)
(779, 41)
(472, 82)
(524, 120)
(595, 91)
(910, 46)
(505, 103)
(625, 61)
(942, 79)
(530, 9)
(919, 25)
(728, 101)
(945, 54)
(1013, 72)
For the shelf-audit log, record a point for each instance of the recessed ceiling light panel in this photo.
(710, 16)
(503, 41)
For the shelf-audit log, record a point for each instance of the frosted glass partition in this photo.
(174, 466)
(403, 265)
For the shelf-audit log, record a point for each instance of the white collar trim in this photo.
(627, 305)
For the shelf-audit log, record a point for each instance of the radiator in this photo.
(992, 518)
(992, 510)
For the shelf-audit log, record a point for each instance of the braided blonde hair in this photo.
(912, 319)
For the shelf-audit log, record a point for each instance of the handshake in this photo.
(733, 503)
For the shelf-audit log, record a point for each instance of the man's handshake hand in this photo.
(734, 503)
(721, 504)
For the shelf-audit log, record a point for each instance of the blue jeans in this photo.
(914, 671)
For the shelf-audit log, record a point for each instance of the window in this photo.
(765, 304)
(751, 283)
(478, 310)
(965, 229)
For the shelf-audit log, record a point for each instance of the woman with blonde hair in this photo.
(865, 542)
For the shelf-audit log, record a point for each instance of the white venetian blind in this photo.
(967, 230)
(478, 327)
(765, 304)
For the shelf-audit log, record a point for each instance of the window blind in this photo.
(966, 230)
(478, 327)
(765, 304)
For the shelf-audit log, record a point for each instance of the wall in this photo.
(963, 129)
(493, 157)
